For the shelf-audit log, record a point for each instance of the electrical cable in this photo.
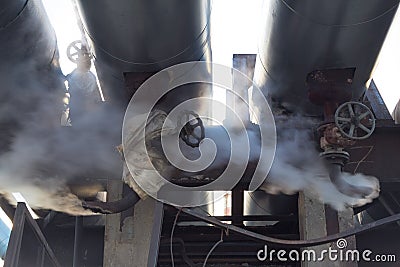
(212, 249)
(293, 243)
(172, 237)
(183, 252)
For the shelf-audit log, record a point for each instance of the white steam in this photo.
(298, 167)
(39, 157)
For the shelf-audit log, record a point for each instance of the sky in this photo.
(235, 29)
(388, 69)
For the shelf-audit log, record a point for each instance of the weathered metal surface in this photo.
(300, 38)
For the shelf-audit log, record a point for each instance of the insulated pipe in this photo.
(9, 10)
(143, 37)
(29, 72)
(223, 142)
(300, 37)
(27, 39)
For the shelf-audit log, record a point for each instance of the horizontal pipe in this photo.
(143, 36)
(301, 37)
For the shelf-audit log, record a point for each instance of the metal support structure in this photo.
(244, 63)
(237, 206)
(155, 234)
(77, 241)
(377, 104)
(22, 217)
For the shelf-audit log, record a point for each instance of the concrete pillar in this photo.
(346, 221)
(313, 224)
(132, 240)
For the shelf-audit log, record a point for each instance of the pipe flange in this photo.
(340, 157)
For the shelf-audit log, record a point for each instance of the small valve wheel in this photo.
(193, 131)
(76, 50)
(355, 120)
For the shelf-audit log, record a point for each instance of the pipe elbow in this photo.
(344, 187)
(113, 207)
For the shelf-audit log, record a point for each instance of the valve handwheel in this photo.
(75, 50)
(355, 120)
(193, 131)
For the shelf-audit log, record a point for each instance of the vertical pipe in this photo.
(237, 206)
(77, 241)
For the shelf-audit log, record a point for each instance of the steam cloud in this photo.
(298, 167)
(39, 158)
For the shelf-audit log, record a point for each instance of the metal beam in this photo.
(77, 241)
(21, 217)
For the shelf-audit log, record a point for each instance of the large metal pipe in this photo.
(223, 142)
(27, 40)
(131, 40)
(143, 37)
(30, 76)
(9, 11)
(342, 38)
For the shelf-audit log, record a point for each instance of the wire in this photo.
(294, 243)
(364, 158)
(172, 236)
(212, 249)
(183, 252)
(258, 205)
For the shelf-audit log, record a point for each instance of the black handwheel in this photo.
(192, 132)
(355, 120)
